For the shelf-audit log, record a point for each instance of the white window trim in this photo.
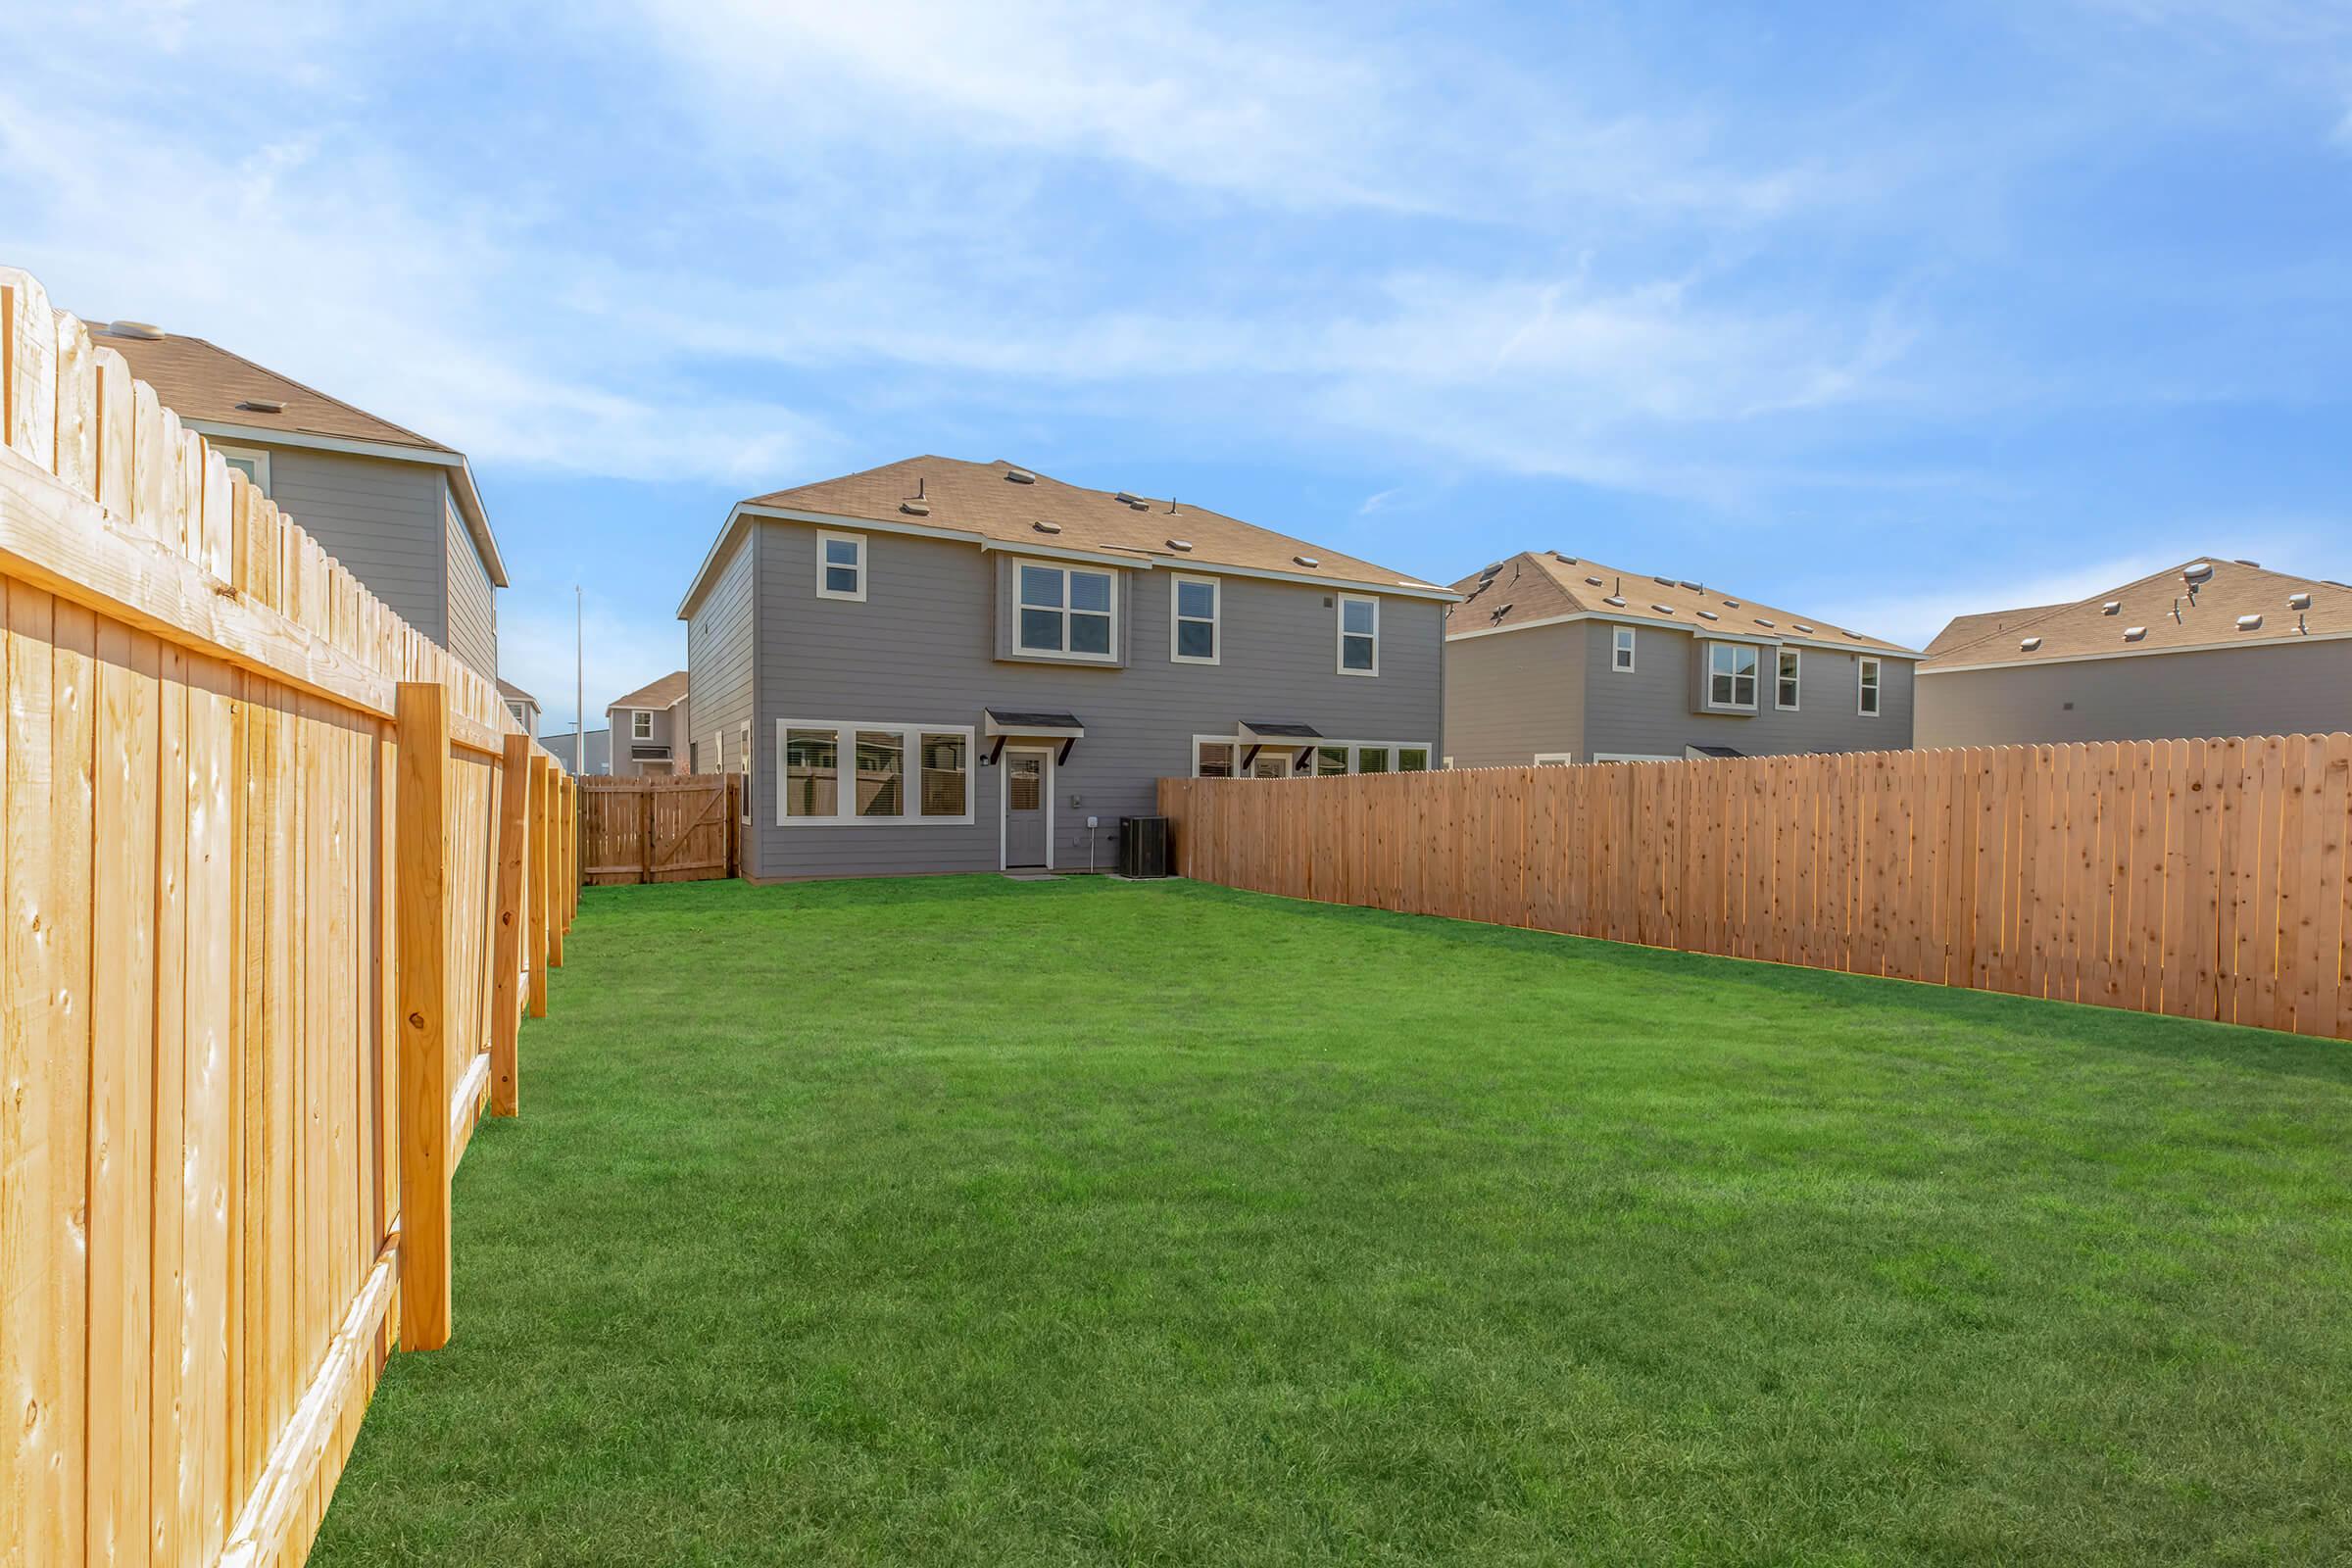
(1799, 681)
(1340, 633)
(1621, 641)
(255, 456)
(825, 536)
(1355, 751)
(1176, 620)
(910, 785)
(1707, 676)
(1067, 568)
(1005, 800)
(1555, 758)
(641, 724)
(1877, 688)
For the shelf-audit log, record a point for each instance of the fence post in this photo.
(506, 1007)
(423, 712)
(571, 850)
(536, 897)
(555, 917)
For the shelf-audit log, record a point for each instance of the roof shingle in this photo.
(1539, 585)
(2158, 614)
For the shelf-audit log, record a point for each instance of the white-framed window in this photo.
(1731, 675)
(1072, 612)
(641, 724)
(1621, 649)
(742, 746)
(1219, 757)
(1866, 688)
(855, 773)
(1786, 690)
(251, 461)
(1194, 604)
(840, 565)
(1555, 758)
(1359, 635)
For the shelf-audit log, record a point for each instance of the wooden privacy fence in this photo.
(676, 829)
(274, 869)
(2203, 878)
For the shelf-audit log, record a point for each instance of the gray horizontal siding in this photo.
(719, 655)
(1648, 713)
(2271, 689)
(473, 602)
(381, 520)
(921, 650)
(1513, 695)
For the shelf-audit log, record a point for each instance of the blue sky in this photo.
(1881, 313)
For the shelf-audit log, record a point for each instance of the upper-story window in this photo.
(1067, 611)
(641, 725)
(1866, 699)
(1194, 603)
(251, 461)
(1731, 675)
(841, 565)
(1786, 694)
(1621, 649)
(1359, 635)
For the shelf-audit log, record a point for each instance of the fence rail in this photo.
(682, 828)
(261, 868)
(2202, 878)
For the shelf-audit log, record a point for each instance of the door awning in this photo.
(1257, 734)
(1001, 724)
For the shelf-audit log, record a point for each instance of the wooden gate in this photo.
(679, 829)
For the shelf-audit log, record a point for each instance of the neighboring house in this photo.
(966, 666)
(597, 743)
(399, 510)
(1552, 658)
(2208, 648)
(523, 704)
(651, 723)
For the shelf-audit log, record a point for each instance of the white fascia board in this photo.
(469, 497)
(2140, 653)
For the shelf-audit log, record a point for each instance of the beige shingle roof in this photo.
(2159, 613)
(1539, 585)
(506, 688)
(1961, 630)
(661, 693)
(978, 497)
(202, 380)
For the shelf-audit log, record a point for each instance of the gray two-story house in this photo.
(651, 722)
(1556, 659)
(939, 665)
(398, 510)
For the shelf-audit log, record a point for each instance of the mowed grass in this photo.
(969, 1221)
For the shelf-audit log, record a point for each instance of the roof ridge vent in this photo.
(1020, 475)
(144, 332)
(1043, 526)
(1180, 544)
(2029, 644)
(263, 404)
(2132, 634)
(915, 506)
(2243, 562)
(2251, 622)
(1306, 561)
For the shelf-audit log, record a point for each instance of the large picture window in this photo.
(1067, 611)
(878, 790)
(1731, 675)
(1218, 756)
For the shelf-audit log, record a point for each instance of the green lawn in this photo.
(969, 1221)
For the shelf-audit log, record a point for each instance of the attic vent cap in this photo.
(2111, 607)
(2300, 601)
(1565, 561)
(1731, 603)
(1595, 581)
(1663, 582)
(262, 405)
(1126, 499)
(1766, 624)
(915, 508)
(1614, 599)
(2243, 562)
(1708, 614)
(145, 331)
(1306, 561)
(2249, 622)
(1180, 544)
(1663, 610)
(1693, 587)
(2132, 634)
(2029, 644)
(2197, 572)
(1043, 526)
(1020, 475)
(1798, 625)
